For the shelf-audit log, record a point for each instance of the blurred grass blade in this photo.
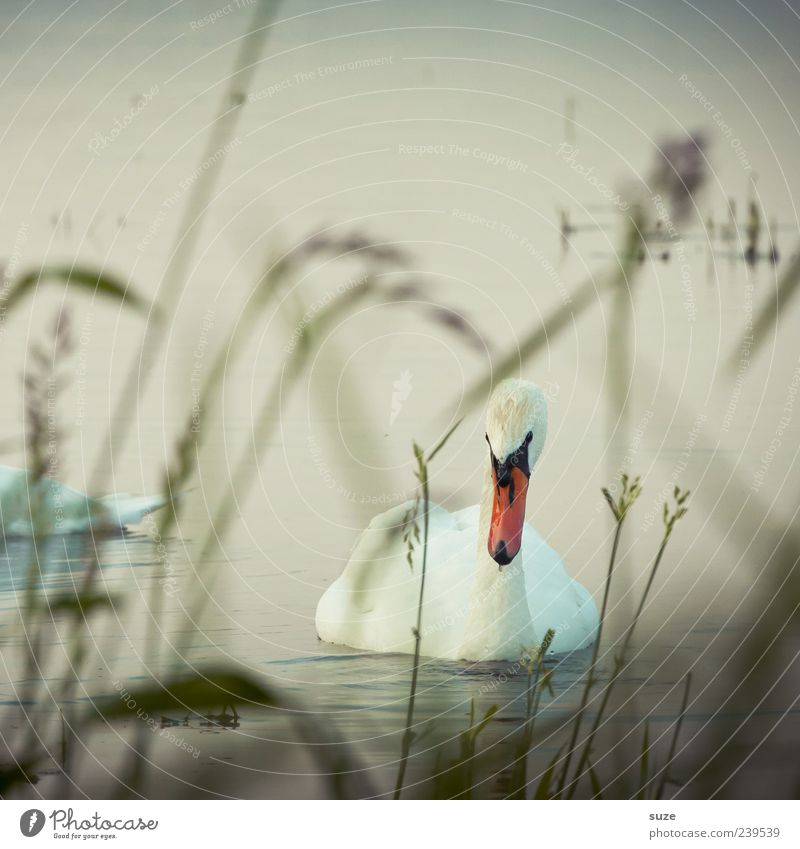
(543, 788)
(349, 396)
(457, 780)
(226, 687)
(186, 455)
(679, 173)
(771, 312)
(659, 794)
(198, 203)
(93, 282)
(82, 604)
(176, 273)
(408, 736)
(443, 441)
(21, 773)
(195, 693)
(560, 318)
(597, 792)
(266, 419)
(487, 718)
(644, 761)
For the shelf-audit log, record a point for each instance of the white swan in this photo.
(57, 508)
(486, 607)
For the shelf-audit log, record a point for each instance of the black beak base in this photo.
(501, 555)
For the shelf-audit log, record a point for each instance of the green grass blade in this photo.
(644, 761)
(196, 692)
(659, 794)
(83, 604)
(189, 232)
(771, 312)
(487, 718)
(561, 318)
(241, 480)
(85, 279)
(443, 441)
(19, 773)
(597, 792)
(227, 687)
(543, 788)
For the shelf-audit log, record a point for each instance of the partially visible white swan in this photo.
(492, 605)
(60, 509)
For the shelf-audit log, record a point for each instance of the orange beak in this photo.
(508, 515)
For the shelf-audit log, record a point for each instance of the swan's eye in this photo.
(529, 437)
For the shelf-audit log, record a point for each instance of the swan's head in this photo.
(516, 426)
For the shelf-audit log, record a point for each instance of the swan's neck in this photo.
(498, 624)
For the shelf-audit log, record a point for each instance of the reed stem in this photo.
(620, 665)
(408, 736)
(674, 744)
(630, 492)
(590, 677)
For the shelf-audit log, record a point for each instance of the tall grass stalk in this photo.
(774, 309)
(408, 735)
(457, 781)
(263, 425)
(538, 679)
(644, 762)
(42, 384)
(190, 443)
(274, 279)
(630, 492)
(198, 202)
(620, 343)
(665, 776)
(308, 333)
(620, 661)
(760, 536)
(562, 317)
(173, 283)
(679, 172)
(421, 474)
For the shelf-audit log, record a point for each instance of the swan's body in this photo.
(480, 603)
(50, 507)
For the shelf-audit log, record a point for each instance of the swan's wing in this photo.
(555, 600)
(373, 604)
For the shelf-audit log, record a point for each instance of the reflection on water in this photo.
(57, 561)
